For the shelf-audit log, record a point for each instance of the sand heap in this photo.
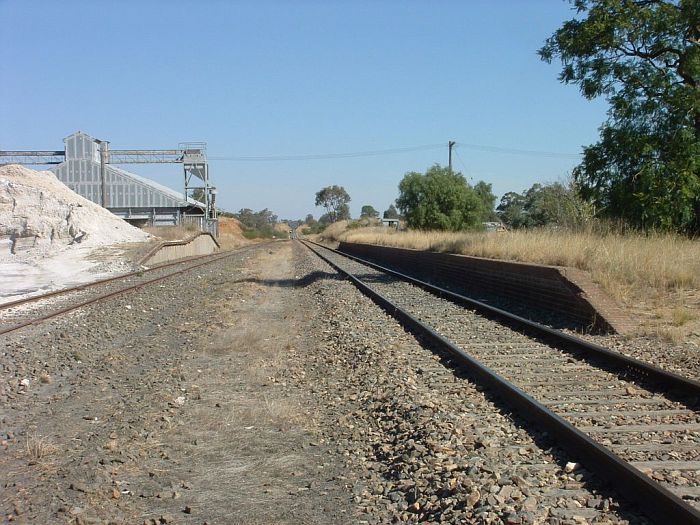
(39, 215)
(51, 237)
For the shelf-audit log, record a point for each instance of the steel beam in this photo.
(31, 158)
(145, 156)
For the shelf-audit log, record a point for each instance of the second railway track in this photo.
(35, 309)
(632, 424)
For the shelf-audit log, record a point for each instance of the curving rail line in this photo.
(36, 309)
(626, 420)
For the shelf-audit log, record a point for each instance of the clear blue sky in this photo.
(297, 77)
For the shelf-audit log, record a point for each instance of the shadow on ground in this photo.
(301, 282)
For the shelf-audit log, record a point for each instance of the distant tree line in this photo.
(257, 224)
(554, 204)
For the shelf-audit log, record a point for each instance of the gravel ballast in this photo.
(423, 443)
(265, 389)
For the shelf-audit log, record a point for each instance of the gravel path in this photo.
(167, 405)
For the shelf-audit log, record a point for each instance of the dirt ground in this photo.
(169, 406)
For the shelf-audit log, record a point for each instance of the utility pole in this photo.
(450, 145)
(104, 160)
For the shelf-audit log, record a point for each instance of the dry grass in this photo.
(38, 449)
(618, 262)
(235, 340)
(231, 233)
(657, 273)
(230, 241)
(681, 316)
(172, 233)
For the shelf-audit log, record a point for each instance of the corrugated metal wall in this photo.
(81, 173)
(127, 197)
(83, 177)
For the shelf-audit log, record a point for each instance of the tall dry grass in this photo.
(627, 266)
(172, 233)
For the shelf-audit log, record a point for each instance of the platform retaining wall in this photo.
(202, 243)
(562, 291)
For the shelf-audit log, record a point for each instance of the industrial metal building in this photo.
(127, 195)
(86, 166)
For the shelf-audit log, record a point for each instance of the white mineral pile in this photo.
(51, 237)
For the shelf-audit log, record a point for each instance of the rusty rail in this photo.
(210, 259)
(657, 502)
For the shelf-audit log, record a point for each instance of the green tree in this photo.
(511, 210)
(439, 200)
(488, 200)
(545, 205)
(326, 219)
(343, 213)
(644, 57)
(257, 223)
(391, 213)
(256, 220)
(335, 199)
(368, 212)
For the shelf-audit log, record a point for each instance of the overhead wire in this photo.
(515, 151)
(394, 151)
(459, 157)
(321, 156)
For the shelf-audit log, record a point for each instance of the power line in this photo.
(459, 157)
(321, 156)
(394, 151)
(514, 151)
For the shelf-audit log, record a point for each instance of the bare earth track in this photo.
(165, 405)
(263, 388)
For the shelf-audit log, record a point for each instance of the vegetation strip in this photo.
(657, 501)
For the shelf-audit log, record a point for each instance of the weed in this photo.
(38, 448)
(681, 315)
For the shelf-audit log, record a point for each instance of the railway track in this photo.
(635, 426)
(36, 309)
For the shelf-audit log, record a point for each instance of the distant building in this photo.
(135, 199)
(391, 223)
(494, 226)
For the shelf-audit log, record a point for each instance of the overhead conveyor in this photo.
(120, 191)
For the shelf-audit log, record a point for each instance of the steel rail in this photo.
(81, 287)
(136, 286)
(684, 385)
(657, 502)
